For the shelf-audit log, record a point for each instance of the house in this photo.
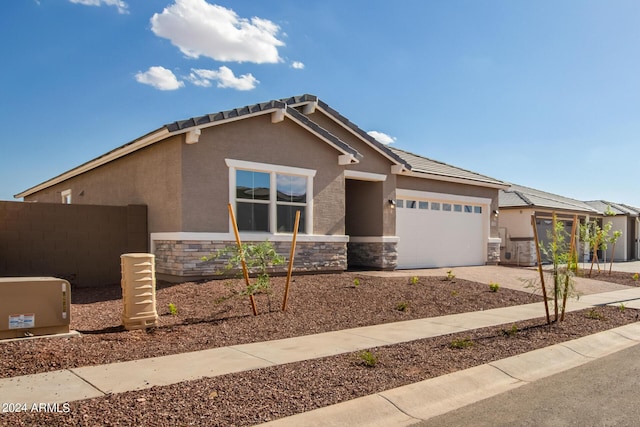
(625, 219)
(518, 204)
(362, 204)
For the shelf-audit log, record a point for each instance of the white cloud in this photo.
(297, 65)
(225, 78)
(199, 28)
(121, 5)
(381, 137)
(160, 78)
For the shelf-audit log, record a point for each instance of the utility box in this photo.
(138, 291)
(32, 306)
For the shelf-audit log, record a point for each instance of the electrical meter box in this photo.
(31, 306)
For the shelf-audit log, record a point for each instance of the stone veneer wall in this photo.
(183, 258)
(378, 255)
(521, 252)
(493, 252)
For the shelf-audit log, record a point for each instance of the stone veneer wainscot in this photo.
(183, 258)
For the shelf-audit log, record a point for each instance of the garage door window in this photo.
(437, 206)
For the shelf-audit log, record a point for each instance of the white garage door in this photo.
(439, 230)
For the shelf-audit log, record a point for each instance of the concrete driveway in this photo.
(513, 277)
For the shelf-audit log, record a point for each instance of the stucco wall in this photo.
(618, 223)
(517, 222)
(150, 176)
(372, 162)
(364, 208)
(79, 243)
(205, 175)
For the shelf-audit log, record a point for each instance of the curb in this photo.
(420, 401)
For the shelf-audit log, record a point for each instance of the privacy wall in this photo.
(79, 243)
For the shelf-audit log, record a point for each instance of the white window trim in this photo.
(66, 196)
(273, 170)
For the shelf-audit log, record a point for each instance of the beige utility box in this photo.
(138, 291)
(32, 306)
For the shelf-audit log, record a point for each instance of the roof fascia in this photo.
(385, 153)
(318, 105)
(436, 177)
(136, 145)
(550, 211)
(323, 134)
(279, 112)
(350, 155)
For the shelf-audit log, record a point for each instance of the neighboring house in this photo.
(362, 204)
(625, 219)
(518, 204)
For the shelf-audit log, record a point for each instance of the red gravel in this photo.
(317, 303)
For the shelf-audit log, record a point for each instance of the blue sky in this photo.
(540, 93)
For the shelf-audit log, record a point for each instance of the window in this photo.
(468, 209)
(291, 197)
(435, 206)
(400, 203)
(411, 204)
(446, 207)
(66, 197)
(267, 197)
(423, 205)
(253, 195)
(457, 208)
(477, 209)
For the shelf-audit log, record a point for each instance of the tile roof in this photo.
(409, 161)
(520, 196)
(617, 208)
(631, 208)
(224, 115)
(425, 165)
(347, 123)
(258, 108)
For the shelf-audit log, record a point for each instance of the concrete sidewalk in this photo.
(446, 392)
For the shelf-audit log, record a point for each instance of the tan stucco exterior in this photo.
(206, 176)
(184, 179)
(151, 176)
(372, 162)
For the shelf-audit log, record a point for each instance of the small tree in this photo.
(561, 251)
(259, 258)
(598, 239)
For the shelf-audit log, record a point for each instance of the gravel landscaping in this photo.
(317, 303)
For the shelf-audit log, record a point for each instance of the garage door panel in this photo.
(437, 238)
